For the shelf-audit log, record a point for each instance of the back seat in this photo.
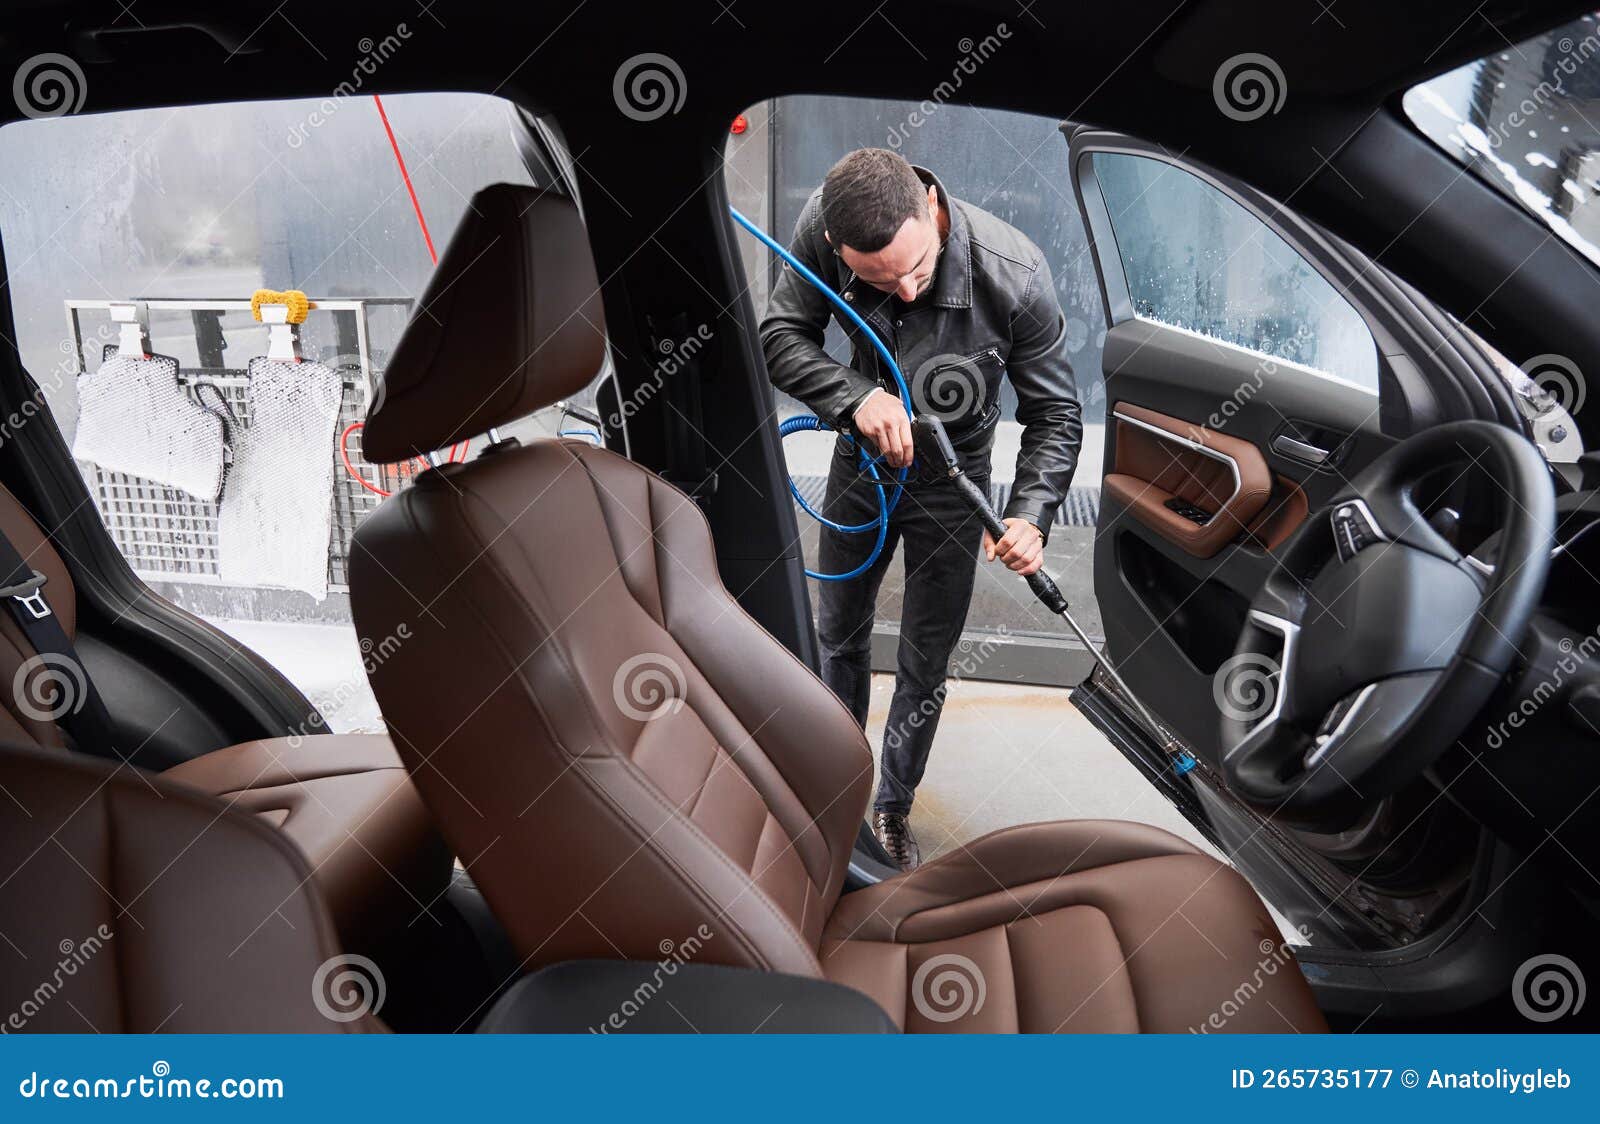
(133, 905)
(344, 800)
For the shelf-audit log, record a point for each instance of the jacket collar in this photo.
(952, 285)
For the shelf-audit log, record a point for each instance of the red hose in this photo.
(458, 451)
(405, 175)
(344, 455)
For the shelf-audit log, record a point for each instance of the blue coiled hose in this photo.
(810, 422)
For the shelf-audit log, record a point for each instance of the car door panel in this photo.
(1236, 325)
(1174, 599)
(1196, 487)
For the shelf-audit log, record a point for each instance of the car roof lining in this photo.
(1338, 150)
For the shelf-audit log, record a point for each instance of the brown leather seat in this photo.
(626, 760)
(344, 800)
(131, 904)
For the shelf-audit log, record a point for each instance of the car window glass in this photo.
(1523, 119)
(1196, 259)
(185, 212)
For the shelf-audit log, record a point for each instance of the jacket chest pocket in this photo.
(962, 391)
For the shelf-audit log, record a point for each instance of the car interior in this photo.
(1360, 607)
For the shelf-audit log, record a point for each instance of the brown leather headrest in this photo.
(511, 322)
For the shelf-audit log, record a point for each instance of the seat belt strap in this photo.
(54, 685)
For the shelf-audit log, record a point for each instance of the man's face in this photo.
(904, 267)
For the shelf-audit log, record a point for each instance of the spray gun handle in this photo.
(934, 447)
(1040, 582)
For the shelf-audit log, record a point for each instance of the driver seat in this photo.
(631, 767)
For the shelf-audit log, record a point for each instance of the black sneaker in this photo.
(894, 834)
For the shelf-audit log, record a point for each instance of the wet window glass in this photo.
(1524, 120)
(232, 481)
(1197, 260)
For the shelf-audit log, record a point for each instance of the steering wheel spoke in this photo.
(1358, 728)
(1373, 644)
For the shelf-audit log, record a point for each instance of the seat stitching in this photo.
(611, 530)
(586, 450)
(261, 782)
(624, 758)
(496, 571)
(1040, 882)
(689, 881)
(653, 528)
(906, 975)
(717, 753)
(487, 556)
(655, 544)
(718, 854)
(732, 603)
(1125, 963)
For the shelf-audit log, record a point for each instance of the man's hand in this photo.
(882, 419)
(1022, 547)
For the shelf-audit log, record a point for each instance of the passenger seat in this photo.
(134, 905)
(344, 800)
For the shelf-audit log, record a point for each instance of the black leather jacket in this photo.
(991, 311)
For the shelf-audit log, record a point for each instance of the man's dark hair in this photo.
(867, 198)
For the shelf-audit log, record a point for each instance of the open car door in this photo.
(1253, 364)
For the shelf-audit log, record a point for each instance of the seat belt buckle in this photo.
(30, 594)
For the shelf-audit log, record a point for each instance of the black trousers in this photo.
(941, 538)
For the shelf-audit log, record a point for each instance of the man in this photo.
(960, 299)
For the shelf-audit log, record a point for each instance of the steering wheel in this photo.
(1375, 642)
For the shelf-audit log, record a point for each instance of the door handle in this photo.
(1299, 450)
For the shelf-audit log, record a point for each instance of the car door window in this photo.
(179, 215)
(1196, 259)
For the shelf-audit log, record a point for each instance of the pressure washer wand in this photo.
(933, 447)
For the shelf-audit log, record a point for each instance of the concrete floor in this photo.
(1008, 754)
